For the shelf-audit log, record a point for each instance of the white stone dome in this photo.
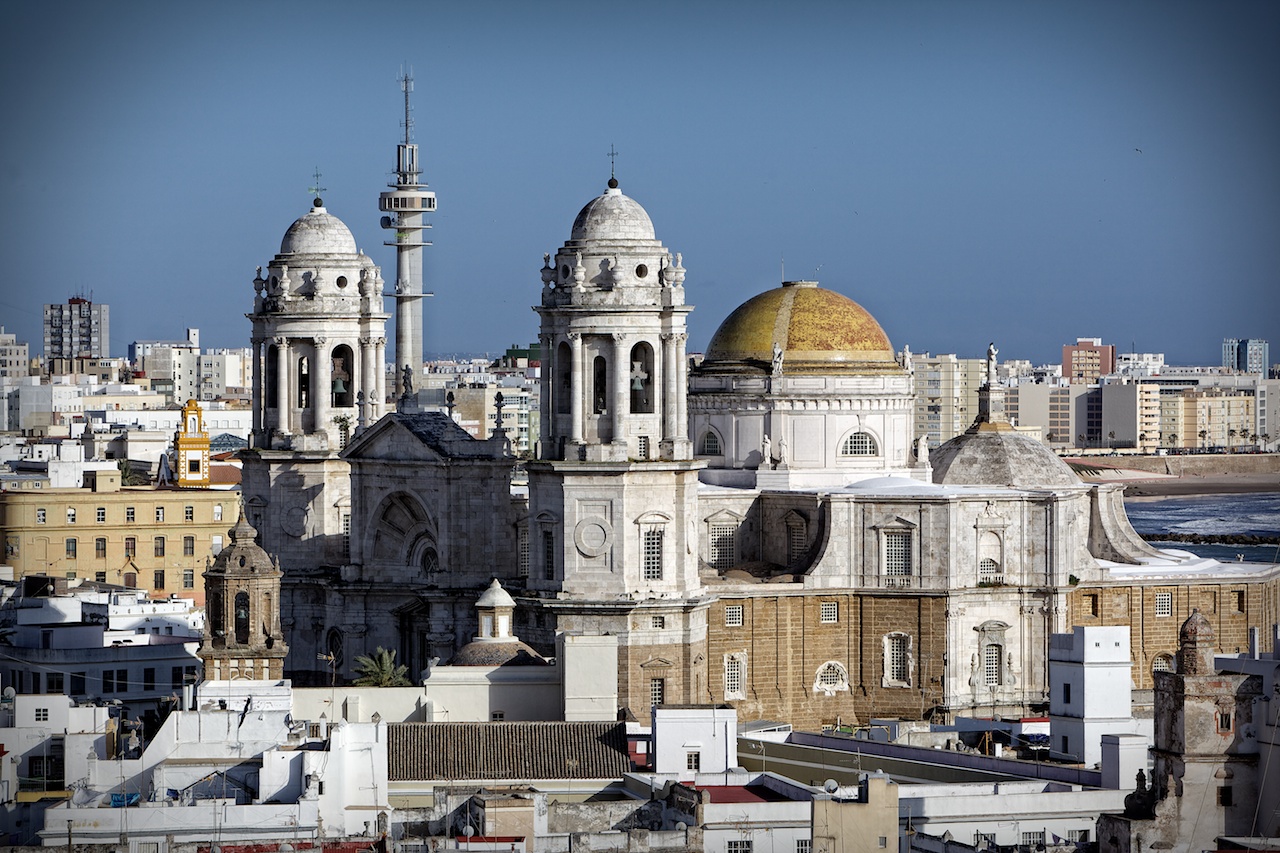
(994, 454)
(612, 216)
(496, 596)
(318, 233)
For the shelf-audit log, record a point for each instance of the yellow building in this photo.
(1211, 417)
(146, 538)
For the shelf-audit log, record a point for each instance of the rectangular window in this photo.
(77, 683)
(898, 667)
(159, 515)
(693, 761)
(53, 682)
(1238, 599)
(642, 446)
(657, 690)
(897, 553)
(1033, 838)
(346, 533)
(732, 675)
(804, 845)
(658, 622)
(733, 615)
(159, 546)
(175, 677)
(1224, 796)
(216, 546)
(829, 612)
(797, 544)
(108, 681)
(549, 554)
(188, 513)
(71, 515)
(71, 549)
(991, 664)
(217, 512)
(159, 579)
(122, 680)
(42, 715)
(130, 514)
(721, 548)
(102, 515)
(100, 577)
(188, 578)
(188, 546)
(1091, 604)
(653, 554)
(100, 548)
(522, 552)
(1164, 604)
(130, 546)
(497, 716)
(1079, 836)
(149, 678)
(739, 846)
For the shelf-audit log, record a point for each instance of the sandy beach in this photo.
(1222, 484)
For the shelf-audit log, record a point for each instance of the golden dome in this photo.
(817, 329)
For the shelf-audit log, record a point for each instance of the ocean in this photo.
(1257, 514)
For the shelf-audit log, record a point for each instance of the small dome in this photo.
(611, 217)
(814, 327)
(318, 233)
(1197, 629)
(496, 596)
(488, 653)
(995, 454)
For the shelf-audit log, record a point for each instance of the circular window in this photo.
(564, 271)
(342, 281)
(642, 271)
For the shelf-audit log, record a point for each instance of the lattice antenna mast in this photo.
(407, 152)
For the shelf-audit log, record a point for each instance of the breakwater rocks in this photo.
(1213, 539)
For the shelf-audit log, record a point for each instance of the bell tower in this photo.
(191, 447)
(613, 495)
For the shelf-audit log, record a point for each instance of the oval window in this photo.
(642, 271)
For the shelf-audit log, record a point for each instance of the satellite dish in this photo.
(9, 693)
(831, 786)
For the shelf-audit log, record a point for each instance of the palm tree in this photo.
(1173, 439)
(380, 670)
(1266, 439)
(1231, 434)
(1111, 436)
(1203, 434)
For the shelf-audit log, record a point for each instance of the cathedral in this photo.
(764, 528)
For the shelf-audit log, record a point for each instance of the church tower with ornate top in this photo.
(191, 447)
(613, 493)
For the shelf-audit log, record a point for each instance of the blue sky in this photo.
(1019, 172)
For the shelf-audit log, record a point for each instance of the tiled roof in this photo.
(515, 751)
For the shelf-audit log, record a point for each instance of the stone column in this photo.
(259, 404)
(380, 378)
(576, 389)
(282, 384)
(668, 386)
(681, 373)
(365, 387)
(621, 393)
(320, 384)
(547, 407)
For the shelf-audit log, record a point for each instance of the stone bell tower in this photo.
(613, 493)
(318, 348)
(242, 633)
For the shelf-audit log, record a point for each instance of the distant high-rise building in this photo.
(1086, 360)
(14, 358)
(1248, 355)
(946, 394)
(79, 328)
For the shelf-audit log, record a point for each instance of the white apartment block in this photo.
(946, 389)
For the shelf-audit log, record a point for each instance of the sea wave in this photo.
(1219, 515)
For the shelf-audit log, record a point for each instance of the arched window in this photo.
(600, 385)
(303, 387)
(859, 444)
(641, 378)
(216, 616)
(564, 378)
(430, 561)
(242, 617)
(270, 390)
(710, 444)
(334, 642)
(1162, 663)
(340, 381)
(831, 679)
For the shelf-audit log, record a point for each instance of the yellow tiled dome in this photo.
(816, 329)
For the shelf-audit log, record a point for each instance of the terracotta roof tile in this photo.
(524, 750)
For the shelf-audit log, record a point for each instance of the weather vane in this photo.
(612, 156)
(317, 189)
